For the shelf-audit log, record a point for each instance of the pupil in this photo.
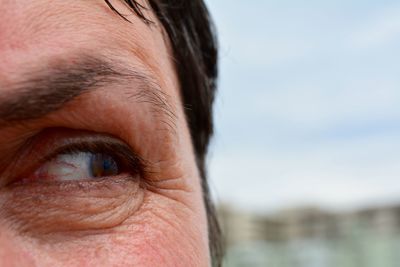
(103, 165)
(106, 164)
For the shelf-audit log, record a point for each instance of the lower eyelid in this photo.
(40, 210)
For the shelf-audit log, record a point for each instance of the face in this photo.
(96, 163)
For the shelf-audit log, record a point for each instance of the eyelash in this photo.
(130, 162)
(127, 159)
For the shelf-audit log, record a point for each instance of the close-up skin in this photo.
(105, 119)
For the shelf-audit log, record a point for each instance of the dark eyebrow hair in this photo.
(44, 92)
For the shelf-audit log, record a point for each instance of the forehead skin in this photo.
(33, 31)
(169, 229)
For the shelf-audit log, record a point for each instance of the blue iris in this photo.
(103, 165)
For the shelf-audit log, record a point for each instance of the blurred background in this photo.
(304, 165)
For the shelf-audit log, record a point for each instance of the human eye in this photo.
(67, 180)
(78, 166)
(86, 159)
(68, 156)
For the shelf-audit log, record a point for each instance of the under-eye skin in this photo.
(53, 201)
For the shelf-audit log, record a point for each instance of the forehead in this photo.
(35, 32)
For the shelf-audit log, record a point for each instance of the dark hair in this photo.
(192, 35)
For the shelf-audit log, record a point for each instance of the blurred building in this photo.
(313, 237)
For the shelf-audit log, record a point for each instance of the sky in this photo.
(308, 110)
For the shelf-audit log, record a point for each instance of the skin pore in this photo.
(105, 86)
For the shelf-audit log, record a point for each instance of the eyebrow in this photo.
(44, 92)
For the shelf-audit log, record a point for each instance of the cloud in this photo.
(381, 30)
(340, 175)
